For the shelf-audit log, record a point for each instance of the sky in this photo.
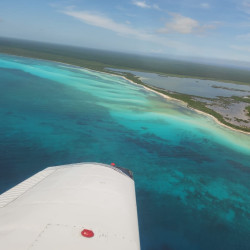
(190, 28)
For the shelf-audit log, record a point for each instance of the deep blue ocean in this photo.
(192, 175)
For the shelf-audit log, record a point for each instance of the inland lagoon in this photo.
(192, 174)
(191, 86)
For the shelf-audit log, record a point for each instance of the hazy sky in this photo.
(214, 28)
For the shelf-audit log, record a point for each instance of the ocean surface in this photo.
(192, 175)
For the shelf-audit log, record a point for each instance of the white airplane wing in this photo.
(87, 206)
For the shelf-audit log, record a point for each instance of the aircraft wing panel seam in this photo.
(17, 191)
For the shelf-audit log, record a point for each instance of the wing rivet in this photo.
(87, 233)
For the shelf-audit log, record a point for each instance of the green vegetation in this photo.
(191, 102)
(101, 60)
(202, 107)
(220, 87)
(248, 110)
(240, 120)
(242, 99)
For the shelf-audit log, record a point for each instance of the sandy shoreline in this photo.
(148, 89)
(185, 104)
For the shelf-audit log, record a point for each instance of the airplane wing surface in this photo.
(88, 206)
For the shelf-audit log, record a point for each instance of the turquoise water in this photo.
(192, 175)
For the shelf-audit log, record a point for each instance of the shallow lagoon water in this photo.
(192, 174)
(191, 86)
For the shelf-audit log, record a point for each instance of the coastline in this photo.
(180, 101)
(145, 87)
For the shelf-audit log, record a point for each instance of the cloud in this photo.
(156, 51)
(156, 7)
(205, 5)
(245, 37)
(141, 4)
(245, 6)
(144, 5)
(241, 48)
(54, 5)
(246, 3)
(101, 21)
(184, 25)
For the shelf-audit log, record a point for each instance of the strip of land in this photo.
(100, 61)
